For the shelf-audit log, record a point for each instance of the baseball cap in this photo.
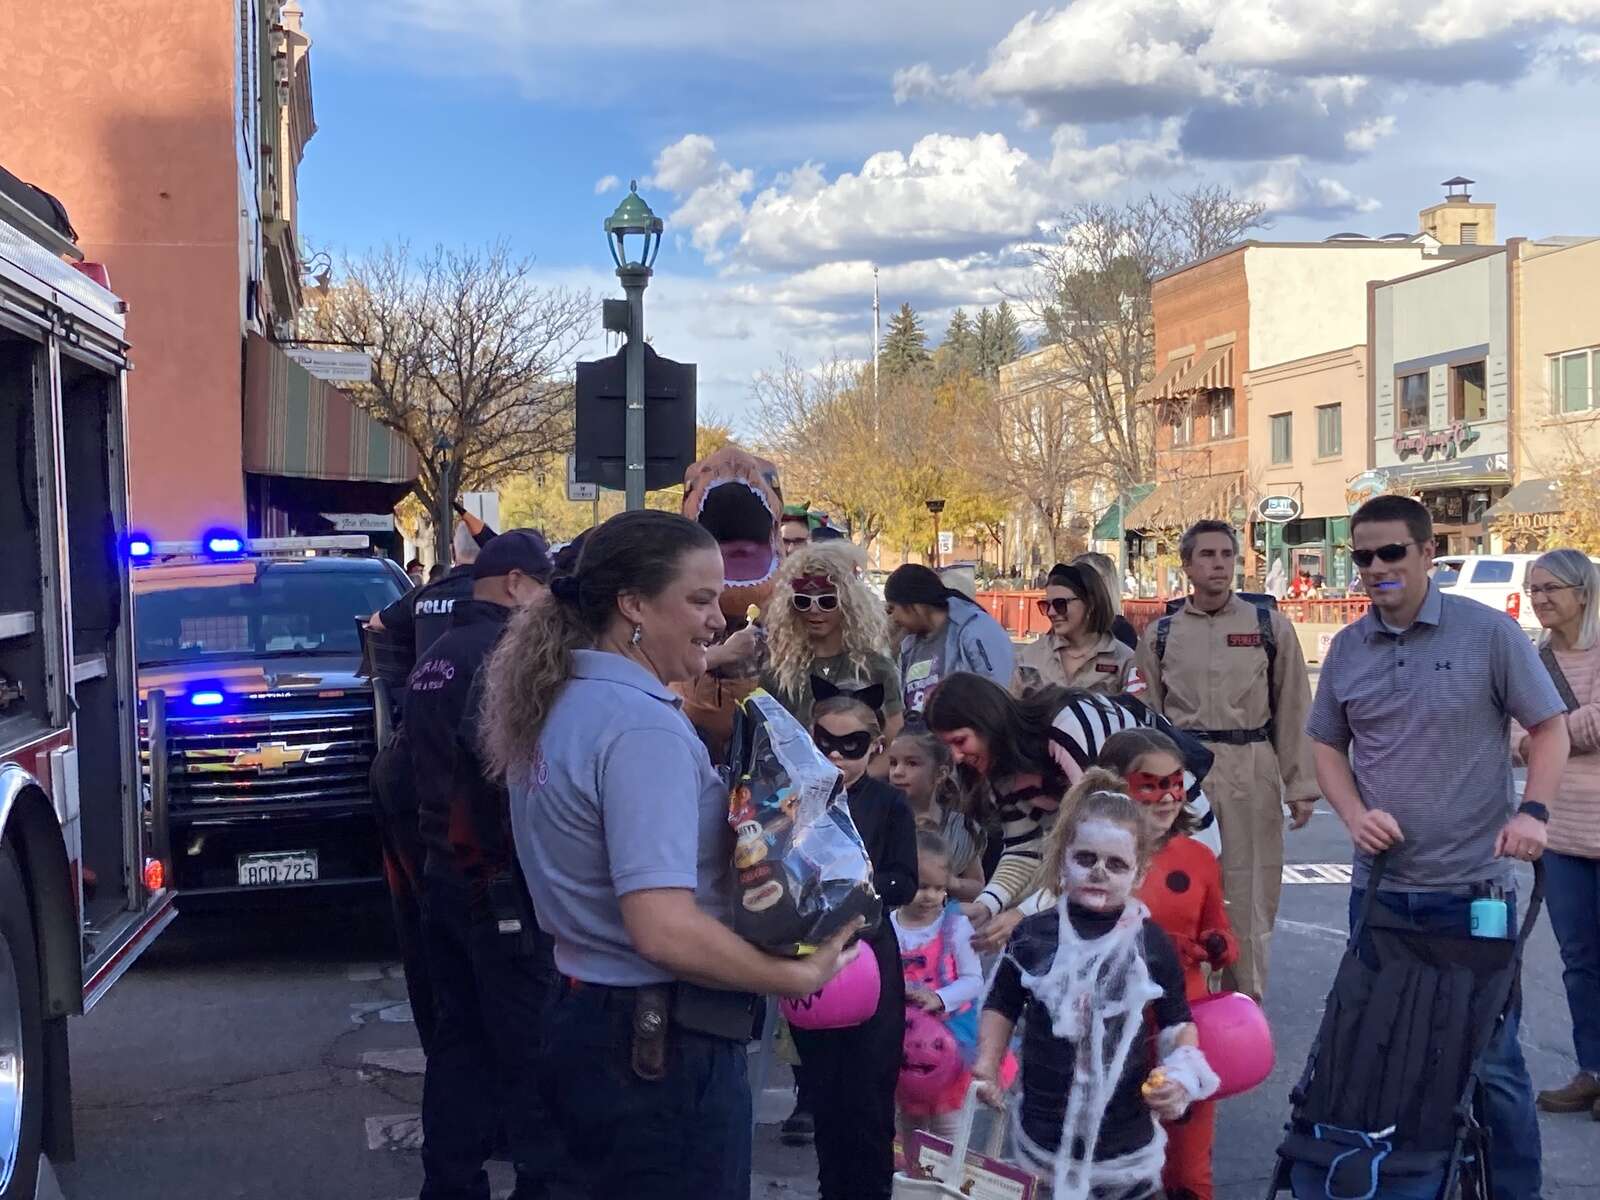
(522, 550)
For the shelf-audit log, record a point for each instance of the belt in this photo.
(732, 1016)
(1232, 737)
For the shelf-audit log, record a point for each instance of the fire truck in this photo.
(81, 894)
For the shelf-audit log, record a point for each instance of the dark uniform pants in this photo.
(395, 805)
(685, 1136)
(850, 1078)
(490, 990)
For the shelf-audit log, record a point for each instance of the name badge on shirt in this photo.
(1244, 639)
(1109, 668)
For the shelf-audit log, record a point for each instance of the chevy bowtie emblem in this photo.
(270, 756)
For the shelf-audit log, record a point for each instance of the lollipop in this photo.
(751, 613)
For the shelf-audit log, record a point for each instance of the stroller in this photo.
(1389, 1103)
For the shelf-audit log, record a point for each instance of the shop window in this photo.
(1282, 438)
(1574, 377)
(1411, 401)
(1468, 400)
(1330, 430)
(1221, 415)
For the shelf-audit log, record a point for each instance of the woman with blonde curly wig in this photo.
(826, 633)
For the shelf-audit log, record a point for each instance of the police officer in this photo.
(621, 828)
(488, 963)
(397, 636)
(1232, 674)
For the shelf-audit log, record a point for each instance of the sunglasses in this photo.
(1392, 553)
(1153, 789)
(826, 602)
(845, 745)
(1058, 606)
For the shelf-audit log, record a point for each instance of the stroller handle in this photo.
(1530, 917)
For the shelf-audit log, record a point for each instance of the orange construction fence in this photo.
(1019, 612)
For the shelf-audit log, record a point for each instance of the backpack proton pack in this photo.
(1265, 606)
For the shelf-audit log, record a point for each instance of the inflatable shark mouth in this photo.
(736, 514)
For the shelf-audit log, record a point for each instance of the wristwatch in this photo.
(1532, 808)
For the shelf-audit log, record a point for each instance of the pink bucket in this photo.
(849, 998)
(1236, 1040)
(930, 1063)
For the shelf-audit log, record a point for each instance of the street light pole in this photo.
(443, 525)
(935, 507)
(634, 218)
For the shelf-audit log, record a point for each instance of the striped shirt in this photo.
(1423, 714)
(1029, 803)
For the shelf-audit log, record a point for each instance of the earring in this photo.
(638, 633)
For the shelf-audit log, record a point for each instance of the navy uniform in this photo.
(489, 965)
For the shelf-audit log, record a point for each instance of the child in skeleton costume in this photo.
(1108, 1045)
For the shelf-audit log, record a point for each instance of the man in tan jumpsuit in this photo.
(1207, 671)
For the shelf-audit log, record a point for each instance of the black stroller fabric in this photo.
(1388, 1091)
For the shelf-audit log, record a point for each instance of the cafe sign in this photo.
(1435, 443)
(1278, 509)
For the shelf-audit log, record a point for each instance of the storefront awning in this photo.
(1179, 503)
(1109, 527)
(299, 426)
(1210, 372)
(1160, 387)
(1531, 497)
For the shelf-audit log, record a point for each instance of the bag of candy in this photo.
(802, 870)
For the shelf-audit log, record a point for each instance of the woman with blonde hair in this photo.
(1564, 586)
(826, 634)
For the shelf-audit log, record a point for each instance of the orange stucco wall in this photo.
(126, 114)
(1204, 302)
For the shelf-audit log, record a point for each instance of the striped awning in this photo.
(1210, 372)
(298, 425)
(1177, 503)
(1160, 387)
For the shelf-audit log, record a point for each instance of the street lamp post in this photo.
(634, 218)
(935, 507)
(443, 469)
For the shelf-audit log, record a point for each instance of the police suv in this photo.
(257, 724)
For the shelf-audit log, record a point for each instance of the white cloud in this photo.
(606, 183)
(1364, 138)
(714, 192)
(1286, 189)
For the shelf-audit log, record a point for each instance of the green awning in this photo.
(1109, 527)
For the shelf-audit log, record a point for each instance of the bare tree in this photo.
(471, 361)
(1091, 296)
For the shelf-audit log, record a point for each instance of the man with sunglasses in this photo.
(1233, 675)
(1410, 732)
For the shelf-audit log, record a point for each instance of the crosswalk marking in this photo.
(402, 1131)
(1317, 873)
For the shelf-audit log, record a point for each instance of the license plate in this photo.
(267, 870)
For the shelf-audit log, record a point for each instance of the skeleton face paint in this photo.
(1101, 866)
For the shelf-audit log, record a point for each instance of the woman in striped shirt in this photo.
(1031, 751)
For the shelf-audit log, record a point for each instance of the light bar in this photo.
(205, 699)
(227, 545)
(224, 544)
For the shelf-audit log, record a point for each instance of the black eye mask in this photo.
(846, 745)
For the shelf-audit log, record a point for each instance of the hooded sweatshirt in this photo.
(971, 640)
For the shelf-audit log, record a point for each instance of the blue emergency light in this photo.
(139, 547)
(222, 543)
(205, 699)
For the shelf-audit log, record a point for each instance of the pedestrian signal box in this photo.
(669, 420)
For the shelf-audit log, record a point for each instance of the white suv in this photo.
(1493, 579)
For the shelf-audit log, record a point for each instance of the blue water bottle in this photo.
(1488, 912)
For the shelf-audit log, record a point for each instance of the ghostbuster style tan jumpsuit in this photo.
(1212, 680)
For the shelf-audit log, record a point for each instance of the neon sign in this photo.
(1430, 443)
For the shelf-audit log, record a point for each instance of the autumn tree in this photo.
(471, 361)
(1091, 296)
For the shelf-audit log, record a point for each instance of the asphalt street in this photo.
(268, 1054)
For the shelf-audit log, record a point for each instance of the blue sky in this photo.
(789, 146)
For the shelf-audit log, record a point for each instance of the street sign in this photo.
(947, 542)
(334, 366)
(669, 417)
(361, 522)
(579, 492)
(1278, 509)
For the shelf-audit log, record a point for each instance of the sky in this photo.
(790, 147)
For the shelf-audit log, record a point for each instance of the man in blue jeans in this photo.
(1410, 738)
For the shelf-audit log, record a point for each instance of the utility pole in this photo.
(877, 335)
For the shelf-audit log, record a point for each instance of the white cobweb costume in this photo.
(1096, 992)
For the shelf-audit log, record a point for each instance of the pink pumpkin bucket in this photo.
(1236, 1040)
(847, 999)
(930, 1064)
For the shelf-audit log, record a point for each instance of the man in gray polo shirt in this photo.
(1410, 739)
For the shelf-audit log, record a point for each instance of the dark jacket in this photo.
(463, 816)
(884, 821)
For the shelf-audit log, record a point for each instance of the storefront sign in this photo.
(361, 522)
(1364, 487)
(1478, 470)
(333, 366)
(1278, 509)
(1430, 443)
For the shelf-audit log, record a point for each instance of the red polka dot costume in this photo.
(1183, 890)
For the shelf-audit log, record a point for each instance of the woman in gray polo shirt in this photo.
(621, 831)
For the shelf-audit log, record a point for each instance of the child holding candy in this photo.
(1095, 978)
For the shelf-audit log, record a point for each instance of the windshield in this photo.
(283, 611)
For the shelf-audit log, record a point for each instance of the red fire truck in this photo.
(80, 892)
